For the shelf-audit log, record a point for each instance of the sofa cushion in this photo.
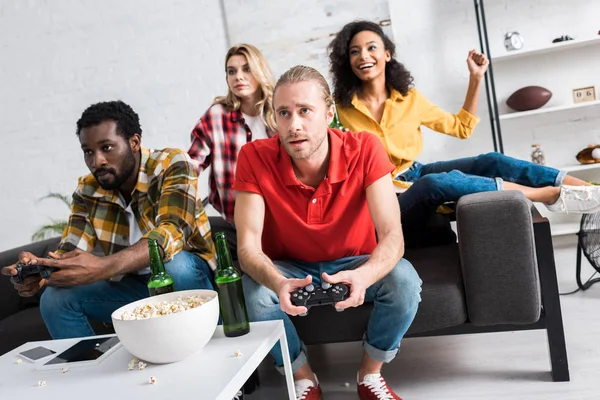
(443, 304)
(435, 231)
(10, 301)
(28, 326)
(443, 296)
(25, 326)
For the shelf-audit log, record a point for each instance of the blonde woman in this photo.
(243, 115)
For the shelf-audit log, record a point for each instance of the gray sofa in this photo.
(499, 276)
(20, 319)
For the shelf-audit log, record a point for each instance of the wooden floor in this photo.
(511, 365)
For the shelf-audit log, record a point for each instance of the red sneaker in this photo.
(306, 389)
(373, 387)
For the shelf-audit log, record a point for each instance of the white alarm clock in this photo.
(513, 41)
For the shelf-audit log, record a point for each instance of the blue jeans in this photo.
(396, 298)
(66, 310)
(440, 182)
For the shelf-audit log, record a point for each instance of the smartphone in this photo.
(36, 353)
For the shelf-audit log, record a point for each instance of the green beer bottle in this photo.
(335, 123)
(160, 282)
(231, 292)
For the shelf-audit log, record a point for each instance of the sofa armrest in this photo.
(10, 301)
(499, 264)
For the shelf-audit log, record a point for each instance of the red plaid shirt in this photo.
(217, 140)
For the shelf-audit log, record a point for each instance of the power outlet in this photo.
(584, 94)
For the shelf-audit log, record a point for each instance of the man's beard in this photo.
(308, 153)
(127, 168)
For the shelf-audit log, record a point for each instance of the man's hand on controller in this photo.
(357, 280)
(30, 285)
(77, 267)
(284, 291)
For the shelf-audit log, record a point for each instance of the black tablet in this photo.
(86, 351)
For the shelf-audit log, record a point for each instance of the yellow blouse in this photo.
(400, 126)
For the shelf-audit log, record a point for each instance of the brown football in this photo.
(529, 98)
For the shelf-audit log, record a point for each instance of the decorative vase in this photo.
(537, 155)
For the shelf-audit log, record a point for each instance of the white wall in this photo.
(433, 38)
(165, 59)
(57, 57)
(309, 27)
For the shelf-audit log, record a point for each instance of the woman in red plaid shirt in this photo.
(243, 115)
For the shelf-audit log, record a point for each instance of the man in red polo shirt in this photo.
(309, 202)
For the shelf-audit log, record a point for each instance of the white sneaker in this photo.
(374, 387)
(307, 390)
(239, 395)
(577, 199)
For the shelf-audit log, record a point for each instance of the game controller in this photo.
(325, 294)
(25, 270)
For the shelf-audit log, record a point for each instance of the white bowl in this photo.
(168, 338)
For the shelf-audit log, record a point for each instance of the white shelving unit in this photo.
(581, 167)
(591, 105)
(554, 47)
(565, 228)
(560, 224)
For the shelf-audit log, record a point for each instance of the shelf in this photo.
(580, 167)
(523, 114)
(553, 47)
(562, 229)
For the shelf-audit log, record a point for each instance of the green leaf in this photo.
(56, 228)
(58, 196)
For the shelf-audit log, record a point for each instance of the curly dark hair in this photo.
(345, 82)
(128, 122)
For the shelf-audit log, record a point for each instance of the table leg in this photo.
(287, 365)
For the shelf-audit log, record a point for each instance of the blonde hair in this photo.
(302, 73)
(261, 72)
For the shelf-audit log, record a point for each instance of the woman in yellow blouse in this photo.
(374, 93)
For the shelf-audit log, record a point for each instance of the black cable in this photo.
(586, 285)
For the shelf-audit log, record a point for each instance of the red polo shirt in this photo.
(322, 224)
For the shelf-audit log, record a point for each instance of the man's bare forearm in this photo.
(260, 268)
(385, 256)
(129, 260)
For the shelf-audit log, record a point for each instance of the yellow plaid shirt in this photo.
(165, 202)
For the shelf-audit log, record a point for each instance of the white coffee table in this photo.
(213, 373)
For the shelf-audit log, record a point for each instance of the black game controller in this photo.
(322, 295)
(25, 270)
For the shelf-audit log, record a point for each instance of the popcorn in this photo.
(152, 380)
(18, 361)
(141, 365)
(65, 370)
(132, 363)
(238, 353)
(153, 310)
(41, 383)
(347, 384)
